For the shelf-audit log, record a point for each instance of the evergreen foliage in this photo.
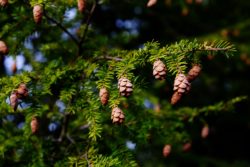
(70, 63)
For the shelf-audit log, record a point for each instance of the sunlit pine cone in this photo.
(3, 48)
(3, 3)
(166, 150)
(81, 5)
(176, 97)
(193, 73)
(125, 87)
(38, 13)
(14, 68)
(104, 96)
(22, 91)
(205, 131)
(159, 70)
(181, 84)
(151, 3)
(13, 100)
(117, 115)
(34, 125)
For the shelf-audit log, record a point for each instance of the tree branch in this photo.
(109, 58)
(61, 27)
(64, 127)
(87, 26)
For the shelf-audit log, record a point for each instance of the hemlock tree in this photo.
(82, 99)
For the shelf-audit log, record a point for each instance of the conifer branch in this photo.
(64, 127)
(58, 24)
(110, 58)
(87, 27)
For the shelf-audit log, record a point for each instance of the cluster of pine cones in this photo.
(125, 88)
(38, 9)
(20, 93)
(181, 83)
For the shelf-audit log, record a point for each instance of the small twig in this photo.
(64, 127)
(87, 26)
(213, 49)
(70, 138)
(109, 58)
(61, 27)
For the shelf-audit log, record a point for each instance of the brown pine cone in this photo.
(125, 87)
(117, 115)
(13, 100)
(193, 73)
(81, 5)
(3, 48)
(14, 68)
(176, 97)
(104, 96)
(159, 70)
(22, 91)
(205, 131)
(151, 3)
(34, 125)
(3, 3)
(38, 13)
(181, 84)
(187, 146)
(166, 150)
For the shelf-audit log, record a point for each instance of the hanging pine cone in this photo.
(13, 100)
(166, 150)
(3, 3)
(186, 147)
(181, 84)
(193, 73)
(151, 3)
(176, 97)
(104, 96)
(22, 91)
(81, 5)
(117, 115)
(14, 68)
(38, 13)
(205, 131)
(159, 70)
(34, 125)
(3, 48)
(125, 87)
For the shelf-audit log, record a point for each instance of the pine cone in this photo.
(81, 5)
(34, 125)
(14, 68)
(13, 100)
(3, 48)
(125, 87)
(186, 147)
(159, 70)
(3, 3)
(104, 96)
(181, 84)
(117, 116)
(38, 13)
(193, 73)
(176, 98)
(205, 131)
(166, 150)
(151, 3)
(22, 91)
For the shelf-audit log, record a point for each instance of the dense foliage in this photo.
(66, 51)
